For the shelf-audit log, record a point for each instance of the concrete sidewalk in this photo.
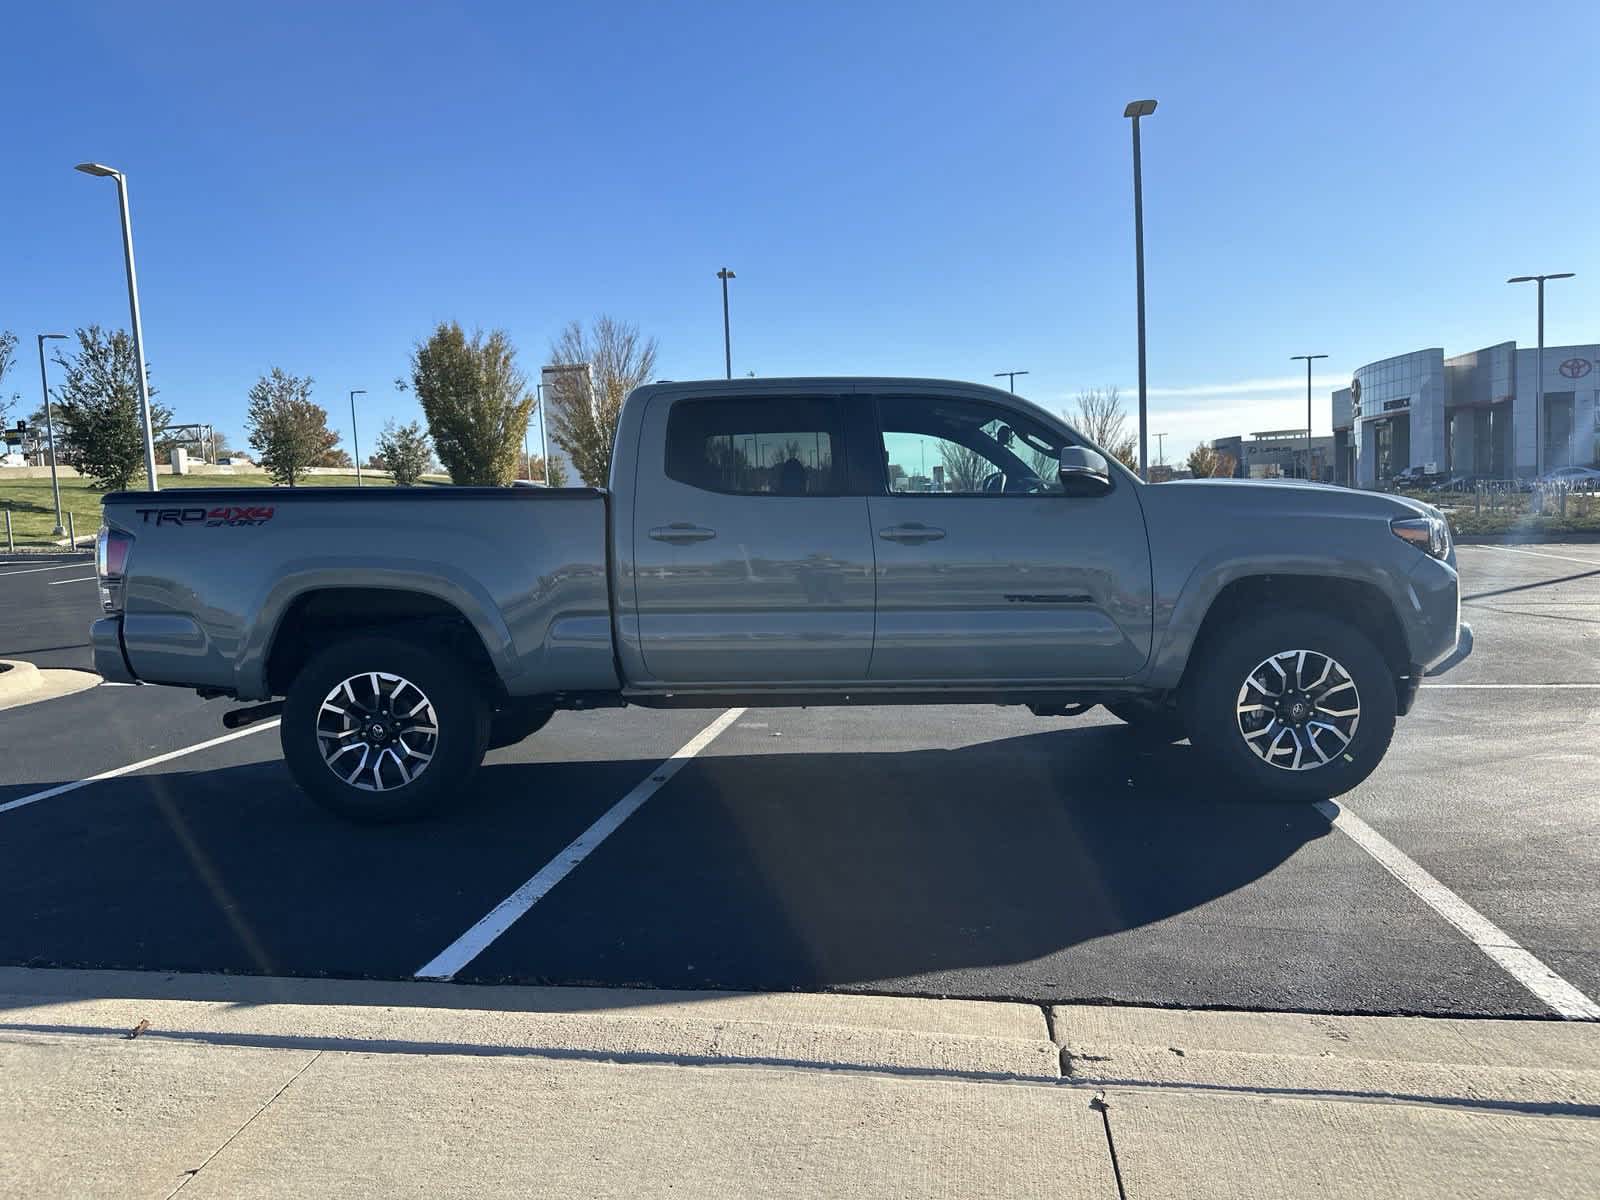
(129, 1084)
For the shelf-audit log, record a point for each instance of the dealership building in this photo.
(1472, 414)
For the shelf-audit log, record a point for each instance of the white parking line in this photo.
(476, 940)
(79, 565)
(1587, 562)
(1509, 687)
(1516, 962)
(63, 788)
(83, 579)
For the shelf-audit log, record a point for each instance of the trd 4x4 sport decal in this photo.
(211, 518)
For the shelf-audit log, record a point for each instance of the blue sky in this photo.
(939, 189)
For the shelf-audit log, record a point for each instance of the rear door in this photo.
(987, 572)
(753, 560)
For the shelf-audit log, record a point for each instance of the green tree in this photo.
(8, 358)
(97, 421)
(286, 429)
(403, 451)
(584, 406)
(476, 403)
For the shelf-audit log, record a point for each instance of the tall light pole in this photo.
(1538, 403)
(1309, 358)
(1011, 378)
(355, 436)
(50, 431)
(1135, 110)
(727, 341)
(133, 310)
(544, 444)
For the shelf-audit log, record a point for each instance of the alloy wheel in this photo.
(377, 731)
(1298, 710)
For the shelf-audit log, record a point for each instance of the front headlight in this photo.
(1431, 535)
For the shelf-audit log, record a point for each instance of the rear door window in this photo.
(758, 446)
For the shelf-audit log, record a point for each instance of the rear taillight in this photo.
(111, 547)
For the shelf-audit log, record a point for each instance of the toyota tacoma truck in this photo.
(789, 542)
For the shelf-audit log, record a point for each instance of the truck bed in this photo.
(218, 578)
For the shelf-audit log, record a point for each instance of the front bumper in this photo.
(1458, 655)
(110, 663)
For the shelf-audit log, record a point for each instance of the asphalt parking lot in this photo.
(964, 851)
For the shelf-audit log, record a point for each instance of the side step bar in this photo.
(238, 718)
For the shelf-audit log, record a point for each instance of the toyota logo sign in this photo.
(1576, 368)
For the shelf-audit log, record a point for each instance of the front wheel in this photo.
(377, 729)
(1301, 707)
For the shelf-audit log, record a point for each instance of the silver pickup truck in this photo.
(789, 542)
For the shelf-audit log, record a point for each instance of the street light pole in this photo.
(1161, 448)
(544, 444)
(1011, 378)
(1538, 389)
(133, 311)
(727, 340)
(1135, 110)
(355, 435)
(1308, 360)
(50, 432)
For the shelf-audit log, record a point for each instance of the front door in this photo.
(987, 572)
(753, 563)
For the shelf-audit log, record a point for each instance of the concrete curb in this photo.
(965, 1038)
(1527, 538)
(17, 680)
(1549, 1066)
(49, 683)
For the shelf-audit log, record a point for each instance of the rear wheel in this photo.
(377, 729)
(1301, 707)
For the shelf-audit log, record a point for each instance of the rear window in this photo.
(761, 446)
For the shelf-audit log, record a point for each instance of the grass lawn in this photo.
(33, 512)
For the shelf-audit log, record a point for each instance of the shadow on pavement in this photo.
(770, 871)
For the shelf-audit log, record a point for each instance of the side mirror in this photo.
(1084, 472)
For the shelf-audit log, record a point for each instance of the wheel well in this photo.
(316, 618)
(1358, 604)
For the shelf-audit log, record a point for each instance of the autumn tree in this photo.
(403, 451)
(1101, 420)
(1206, 463)
(535, 468)
(286, 429)
(98, 426)
(585, 405)
(476, 403)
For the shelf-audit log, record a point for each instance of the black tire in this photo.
(1154, 722)
(1215, 680)
(516, 722)
(461, 721)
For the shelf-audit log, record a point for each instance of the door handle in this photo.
(913, 533)
(681, 533)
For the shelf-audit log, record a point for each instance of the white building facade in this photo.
(1473, 414)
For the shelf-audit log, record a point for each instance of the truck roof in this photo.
(806, 383)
